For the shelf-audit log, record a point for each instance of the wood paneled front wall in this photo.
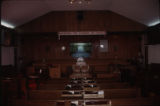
(39, 40)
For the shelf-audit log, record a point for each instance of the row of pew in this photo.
(114, 102)
(49, 93)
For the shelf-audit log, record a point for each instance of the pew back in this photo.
(57, 86)
(133, 102)
(45, 94)
(113, 85)
(121, 93)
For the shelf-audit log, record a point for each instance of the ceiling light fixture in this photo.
(3, 23)
(79, 1)
(154, 23)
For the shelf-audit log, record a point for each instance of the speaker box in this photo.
(80, 15)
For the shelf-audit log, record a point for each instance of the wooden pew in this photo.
(134, 102)
(44, 94)
(105, 80)
(114, 102)
(57, 86)
(33, 103)
(57, 81)
(61, 86)
(40, 103)
(108, 94)
(102, 83)
(91, 102)
(113, 85)
(112, 76)
(121, 93)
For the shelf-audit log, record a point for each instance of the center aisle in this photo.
(84, 92)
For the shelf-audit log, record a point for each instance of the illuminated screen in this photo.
(80, 50)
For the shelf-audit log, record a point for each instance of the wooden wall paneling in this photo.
(92, 20)
(64, 53)
(59, 52)
(111, 45)
(71, 21)
(108, 20)
(47, 23)
(59, 21)
(121, 47)
(40, 49)
(26, 50)
(38, 22)
(121, 23)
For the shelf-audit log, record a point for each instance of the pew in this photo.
(105, 80)
(57, 81)
(113, 85)
(102, 102)
(33, 103)
(55, 103)
(44, 94)
(112, 76)
(134, 102)
(121, 93)
(57, 86)
(108, 94)
(18, 102)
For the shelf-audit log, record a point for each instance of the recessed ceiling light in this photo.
(3, 23)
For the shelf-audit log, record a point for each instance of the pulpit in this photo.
(80, 69)
(54, 72)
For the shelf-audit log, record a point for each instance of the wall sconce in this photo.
(63, 48)
(101, 46)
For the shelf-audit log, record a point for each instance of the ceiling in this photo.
(18, 12)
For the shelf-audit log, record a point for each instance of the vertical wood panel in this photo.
(92, 20)
(121, 47)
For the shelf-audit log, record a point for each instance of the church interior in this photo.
(80, 53)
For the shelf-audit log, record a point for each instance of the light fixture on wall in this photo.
(101, 46)
(79, 1)
(83, 33)
(63, 48)
(6, 24)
